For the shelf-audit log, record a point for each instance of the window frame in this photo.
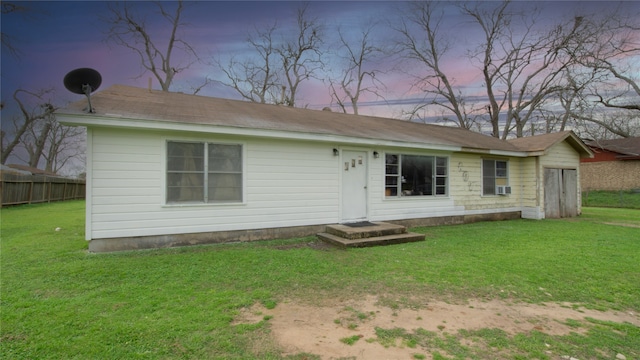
(206, 172)
(495, 176)
(439, 178)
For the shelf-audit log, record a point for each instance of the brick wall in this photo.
(610, 175)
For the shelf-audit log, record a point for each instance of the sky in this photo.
(55, 37)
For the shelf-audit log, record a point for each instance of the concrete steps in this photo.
(367, 234)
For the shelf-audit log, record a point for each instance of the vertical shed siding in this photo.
(283, 188)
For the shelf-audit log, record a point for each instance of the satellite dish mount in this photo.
(83, 81)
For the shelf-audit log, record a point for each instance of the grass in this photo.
(618, 199)
(58, 301)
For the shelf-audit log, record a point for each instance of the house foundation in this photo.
(224, 237)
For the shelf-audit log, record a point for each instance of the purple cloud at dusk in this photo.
(55, 37)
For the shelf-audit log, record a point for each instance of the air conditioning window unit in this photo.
(503, 190)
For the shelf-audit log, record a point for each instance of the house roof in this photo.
(627, 148)
(128, 106)
(541, 143)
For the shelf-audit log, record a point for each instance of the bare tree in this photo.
(281, 61)
(521, 67)
(423, 41)
(604, 78)
(7, 39)
(29, 117)
(63, 145)
(157, 56)
(35, 139)
(255, 78)
(358, 76)
(300, 55)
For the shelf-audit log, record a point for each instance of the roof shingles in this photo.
(128, 102)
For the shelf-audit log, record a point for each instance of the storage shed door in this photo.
(560, 193)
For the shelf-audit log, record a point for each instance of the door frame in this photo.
(354, 155)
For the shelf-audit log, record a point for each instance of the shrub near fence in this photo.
(28, 189)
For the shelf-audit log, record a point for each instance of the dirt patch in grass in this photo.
(623, 224)
(353, 328)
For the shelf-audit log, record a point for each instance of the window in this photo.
(494, 173)
(414, 175)
(204, 172)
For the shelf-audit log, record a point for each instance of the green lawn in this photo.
(617, 199)
(58, 301)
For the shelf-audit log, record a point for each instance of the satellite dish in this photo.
(83, 81)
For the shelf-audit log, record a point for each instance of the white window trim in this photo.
(416, 197)
(494, 178)
(163, 183)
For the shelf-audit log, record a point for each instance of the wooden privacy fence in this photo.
(18, 189)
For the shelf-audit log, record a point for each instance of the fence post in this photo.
(49, 190)
(30, 191)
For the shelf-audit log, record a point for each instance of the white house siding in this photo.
(560, 156)
(287, 183)
(282, 187)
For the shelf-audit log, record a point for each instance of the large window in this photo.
(494, 173)
(414, 175)
(203, 172)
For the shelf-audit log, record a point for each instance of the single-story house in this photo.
(614, 166)
(168, 169)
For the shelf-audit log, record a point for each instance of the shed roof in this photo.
(120, 102)
(541, 143)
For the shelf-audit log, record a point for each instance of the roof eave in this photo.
(73, 119)
(494, 152)
(579, 145)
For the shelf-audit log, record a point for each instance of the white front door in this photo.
(354, 186)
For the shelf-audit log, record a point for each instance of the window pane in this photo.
(417, 173)
(391, 169)
(224, 182)
(225, 187)
(501, 169)
(441, 185)
(391, 159)
(488, 177)
(225, 158)
(185, 172)
(441, 166)
(185, 187)
(391, 162)
(185, 156)
(488, 168)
